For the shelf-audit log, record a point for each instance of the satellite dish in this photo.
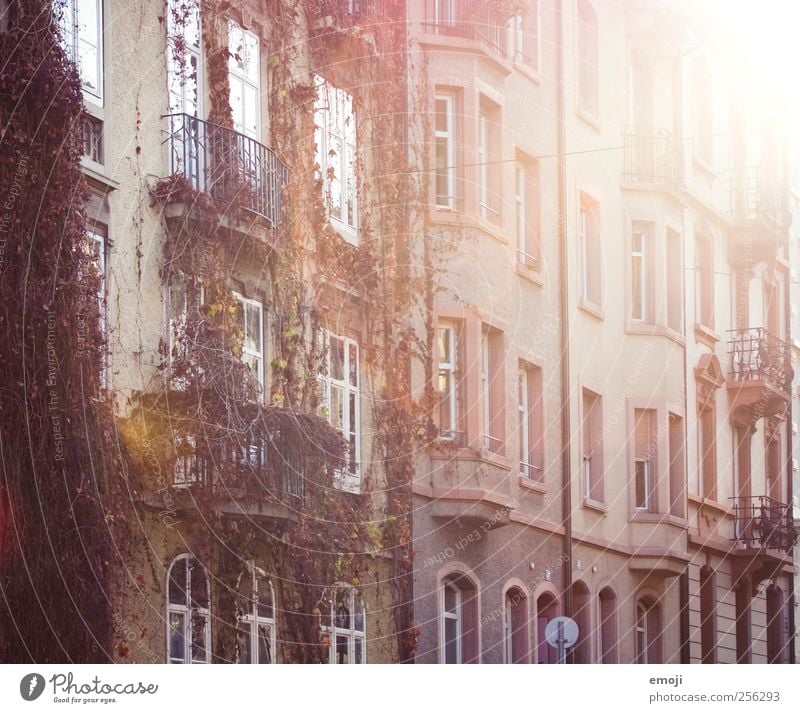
(561, 631)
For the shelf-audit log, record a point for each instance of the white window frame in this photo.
(483, 164)
(70, 26)
(255, 620)
(179, 75)
(645, 507)
(457, 615)
(347, 478)
(638, 268)
(245, 77)
(526, 468)
(444, 12)
(351, 633)
(448, 135)
(186, 611)
(252, 353)
(335, 122)
(450, 370)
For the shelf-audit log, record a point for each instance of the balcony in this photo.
(227, 165)
(652, 159)
(760, 376)
(474, 20)
(758, 210)
(763, 523)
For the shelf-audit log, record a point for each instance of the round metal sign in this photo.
(563, 628)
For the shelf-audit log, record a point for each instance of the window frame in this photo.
(186, 610)
(349, 481)
(246, 78)
(588, 60)
(328, 131)
(72, 39)
(451, 368)
(254, 620)
(523, 36)
(639, 277)
(592, 433)
(457, 615)
(244, 302)
(351, 633)
(526, 212)
(449, 136)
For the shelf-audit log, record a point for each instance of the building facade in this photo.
(430, 321)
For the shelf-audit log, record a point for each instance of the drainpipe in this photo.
(566, 436)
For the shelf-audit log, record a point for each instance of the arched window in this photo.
(344, 625)
(458, 633)
(515, 630)
(188, 612)
(546, 609)
(255, 634)
(581, 652)
(588, 59)
(648, 631)
(607, 627)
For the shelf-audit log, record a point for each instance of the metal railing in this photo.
(652, 156)
(227, 164)
(763, 522)
(468, 19)
(758, 355)
(756, 195)
(256, 468)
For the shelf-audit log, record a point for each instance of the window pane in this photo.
(177, 641)
(353, 364)
(441, 115)
(358, 655)
(641, 484)
(264, 599)
(264, 643)
(177, 583)
(342, 655)
(199, 585)
(450, 599)
(442, 170)
(243, 642)
(337, 408)
(199, 624)
(87, 61)
(450, 641)
(444, 345)
(445, 414)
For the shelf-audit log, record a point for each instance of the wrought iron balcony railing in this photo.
(227, 164)
(758, 355)
(258, 468)
(755, 195)
(469, 19)
(653, 157)
(762, 522)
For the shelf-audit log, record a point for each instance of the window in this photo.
(546, 610)
(245, 81)
(447, 345)
(641, 272)
(526, 205)
(648, 632)
(492, 393)
(773, 467)
(336, 156)
(341, 404)
(704, 278)
(589, 247)
(592, 460)
(674, 281)
(488, 169)
(677, 474)
(183, 298)
(82, 30)
(708, 616)
(525, 36)
(607, 627)
(703, 113)
(344, 626)
(96, 253)
(184, 57)
(531, 421)
(588, 60)
(515, 626)
(708, 451)
(444, 130)
(444, 12)
(188, 612)
(255, 633)
(458, 635)
(645, 460)
(251, 324)
(777, 648)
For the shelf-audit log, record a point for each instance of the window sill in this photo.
(449, 451)
(589, 118)
(537, 486)
(530, 72)
(431, 38)
(658, 518)
(701, 165)
(493, 230)
(529, 273)
(591, 308)
(655, 330)
(346, 233)
(96, 172)
(595, 505)
(706, 335)
(704, 502)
